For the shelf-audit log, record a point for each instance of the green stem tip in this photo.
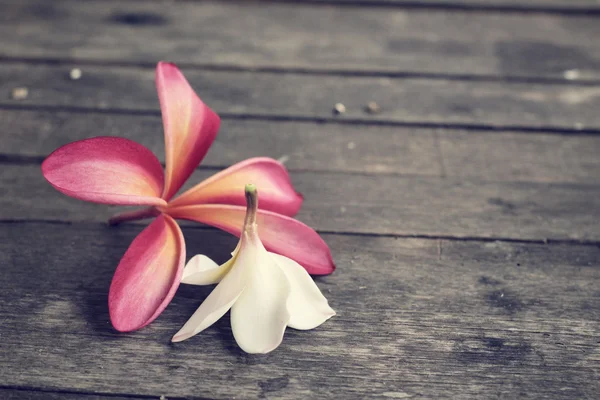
(251, 204)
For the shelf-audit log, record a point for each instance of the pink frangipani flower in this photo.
(119, 171)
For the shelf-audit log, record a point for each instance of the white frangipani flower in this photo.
(265, 291)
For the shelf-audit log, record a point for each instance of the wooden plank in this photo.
(387, 205)
(305, 36)
(303, 145)
(512, 156)
(309, 146)
(429, 318)
(492, 5)
(88, 253)
(312, 97)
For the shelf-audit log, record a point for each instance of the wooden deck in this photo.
(464, 217)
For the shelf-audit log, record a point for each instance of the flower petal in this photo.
(260, 315)
(201, 270)
(227, 187)
(279, 233)
(218, 302)
(307, 306)
(107, 170)
(147, 276)
(190, 126)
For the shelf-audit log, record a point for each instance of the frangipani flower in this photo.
(118, 171)
(265, 291)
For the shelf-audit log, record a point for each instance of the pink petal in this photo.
(190, 126)
(279, 233)
(147, 276)
(227, 187)
(108, 170)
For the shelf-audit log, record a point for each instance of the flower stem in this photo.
(251, 206)
(133, 215)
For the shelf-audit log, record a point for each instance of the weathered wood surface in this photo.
(311, 146)
(564, 6)
(517, 319)
(24, 394)
(514, 156)
(389, 205)
(308, 36)
(482, 136)
(564, 107)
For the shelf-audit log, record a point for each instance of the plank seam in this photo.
(405, 381)
(544, 241)
(22, 159)
(452, 7)
(319, 71)
(105, 394)
(318, 119)
(459, 6)
(435, 328)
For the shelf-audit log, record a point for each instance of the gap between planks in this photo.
(318, 120)
(572, 7)
(438, 238)
(28, 160)
(8, 392)
(300, 70)
(496, 6)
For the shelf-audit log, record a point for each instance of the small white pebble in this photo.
(339, 108)
(362, 287)
(571, 74)
(163, 397)
(283, 159)
(342, 209)
(75, 74)
(372, 108)
(351, 145)
(20, 93)
(578, 126)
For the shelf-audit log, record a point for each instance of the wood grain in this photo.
(361, 204)
(514, 156)
(452, 310)
(309, 146)
(24, 394)
(302, 145)
(462, 217)
(479, 5)
(312, 97)
(309, 36)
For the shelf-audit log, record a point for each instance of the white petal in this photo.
(260, 315)
(307, 306)
(201, 270)
(216, 304)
